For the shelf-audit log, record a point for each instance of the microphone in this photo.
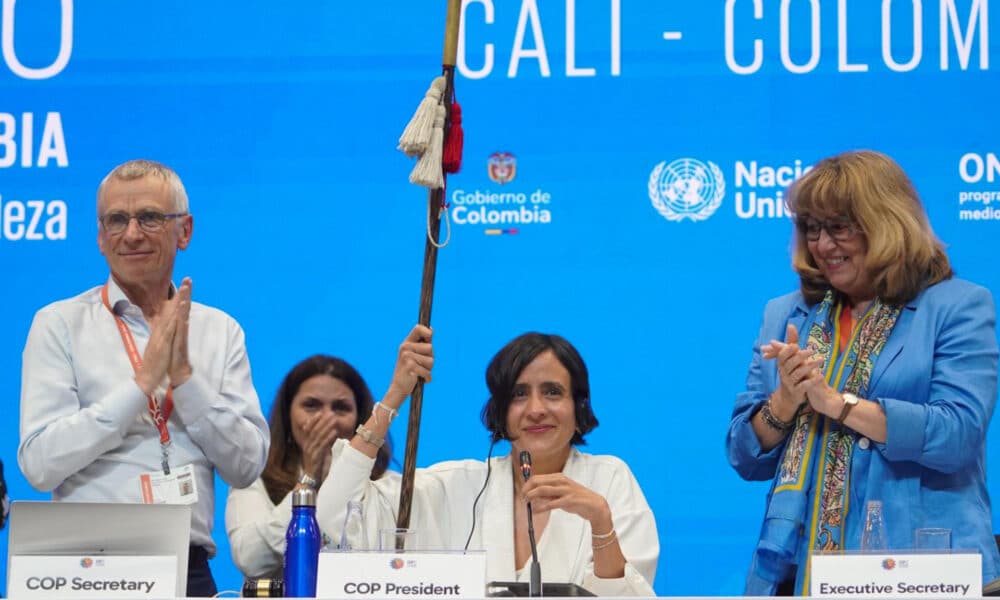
(535, 585)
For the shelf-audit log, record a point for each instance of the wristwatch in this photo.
(850, 401)
(306, 479)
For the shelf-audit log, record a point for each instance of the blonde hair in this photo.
(139, 168)
(904, 256)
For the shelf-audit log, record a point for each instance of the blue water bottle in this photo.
(302, 542)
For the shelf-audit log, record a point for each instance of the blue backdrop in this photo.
(651, 142)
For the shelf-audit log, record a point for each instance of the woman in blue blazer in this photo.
(875, 382)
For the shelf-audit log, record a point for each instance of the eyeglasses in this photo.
(148, 220)
(839, 230)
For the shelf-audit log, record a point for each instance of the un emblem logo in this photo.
(686, 189)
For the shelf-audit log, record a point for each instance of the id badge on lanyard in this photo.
(158, 413)
(178, 487)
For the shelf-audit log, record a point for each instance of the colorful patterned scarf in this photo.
(812, 485)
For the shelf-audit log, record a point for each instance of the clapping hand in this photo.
(166, 354)
(180, 364)
(795, 366)
(320, 433)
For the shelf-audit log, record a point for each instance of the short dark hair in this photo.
(506, 367)
(281, 471)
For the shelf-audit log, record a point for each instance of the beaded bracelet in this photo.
(607, 543)
(774, 422)
(392, 412)
(368, 436)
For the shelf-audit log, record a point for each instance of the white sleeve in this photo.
(637, 536)
(256, 529)
(349, 479)
(632, 584)
(226, 423)
(58, 438)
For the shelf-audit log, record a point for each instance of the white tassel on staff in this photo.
(428, 171)
(417, 134)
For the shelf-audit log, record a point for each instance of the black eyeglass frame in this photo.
(840, 230)
(155, 220)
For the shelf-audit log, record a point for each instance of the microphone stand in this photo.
(516, 588)
(535, 584)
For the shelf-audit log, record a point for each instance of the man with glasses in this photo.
(131, 392)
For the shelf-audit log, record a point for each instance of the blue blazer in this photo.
(936, 380)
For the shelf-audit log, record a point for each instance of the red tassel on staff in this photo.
(452, 157)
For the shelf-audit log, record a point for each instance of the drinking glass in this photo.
(932, 538)
(397, 540)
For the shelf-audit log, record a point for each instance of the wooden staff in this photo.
(435, 199)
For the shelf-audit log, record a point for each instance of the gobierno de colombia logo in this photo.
(506, 210)
(692, 189)
(502, 167)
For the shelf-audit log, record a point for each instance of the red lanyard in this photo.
(159, 416)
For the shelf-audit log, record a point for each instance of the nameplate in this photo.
(902, 575)
(96, 577)
(396, 575)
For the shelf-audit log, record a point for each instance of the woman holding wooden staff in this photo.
(594, 527)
